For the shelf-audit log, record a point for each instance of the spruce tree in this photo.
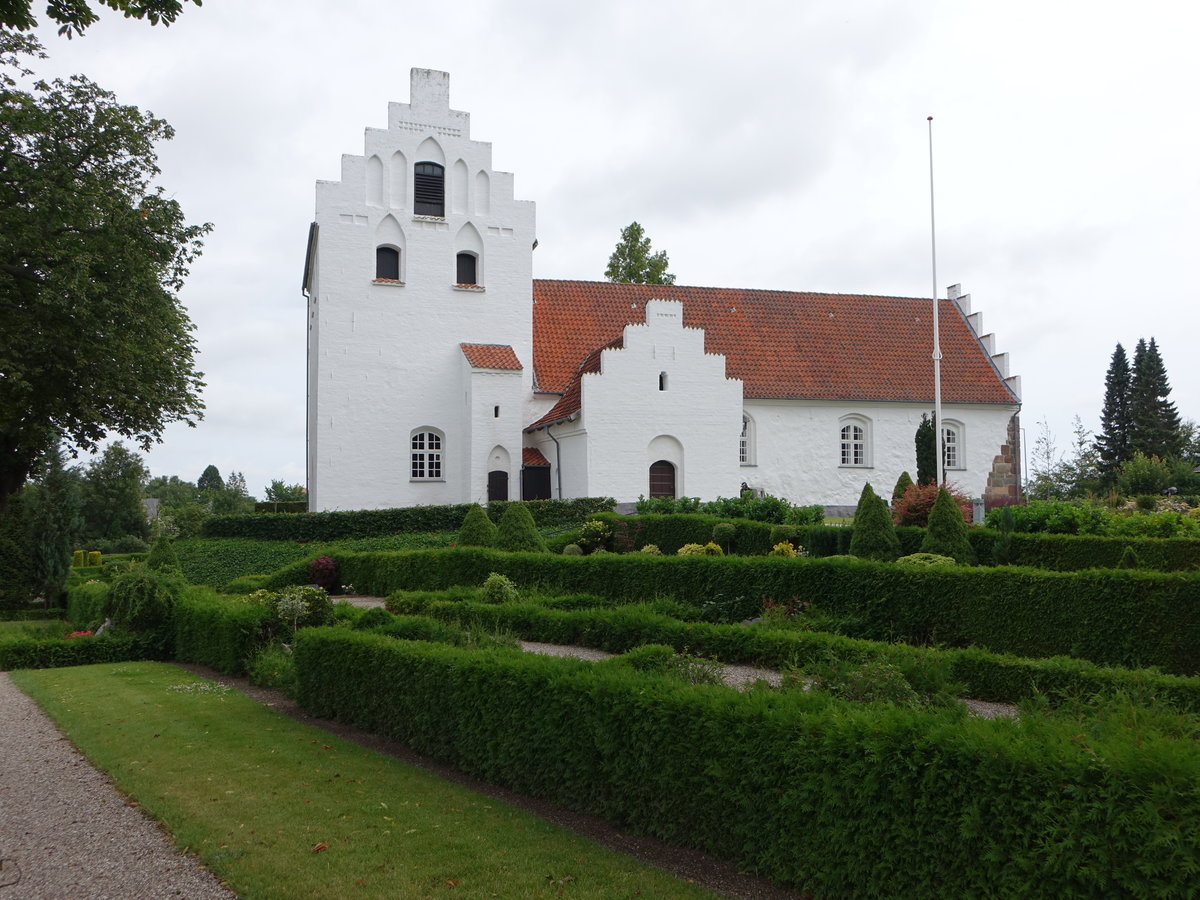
(946, 534)
(874, 535)
(926, 441)
(517, 531)
(1115, 426)
(1155, 421)
(477, 529)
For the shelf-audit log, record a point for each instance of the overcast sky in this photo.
(777, 145)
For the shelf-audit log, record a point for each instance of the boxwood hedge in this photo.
(835, 798)
(1120, 618)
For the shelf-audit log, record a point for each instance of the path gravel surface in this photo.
(67, 834)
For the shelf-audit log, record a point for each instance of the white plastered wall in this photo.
(384, 357)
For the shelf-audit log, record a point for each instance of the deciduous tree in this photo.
(94, 339)
(74, 16)
(633, 263)
(112, 494)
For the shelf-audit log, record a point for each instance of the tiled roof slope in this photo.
(491, 356)
(781, 344)
(572, 399)
(532, 456)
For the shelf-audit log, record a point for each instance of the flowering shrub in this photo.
(784, 548)
(301, 606)
(594, 535)
(77, 634)
(651, 550)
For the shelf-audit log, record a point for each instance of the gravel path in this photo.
(66, 832)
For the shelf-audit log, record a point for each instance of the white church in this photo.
(440, 371)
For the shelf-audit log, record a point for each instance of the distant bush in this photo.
(477, 529)
(874, 534)
(946, 534)
(517, 532)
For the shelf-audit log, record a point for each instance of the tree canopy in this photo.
(633, 263)
(74, 16)
(91, 255)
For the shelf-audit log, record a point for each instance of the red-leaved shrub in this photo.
(913, 508)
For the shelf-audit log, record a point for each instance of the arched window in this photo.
(429, 189)
(855, 441)
(427, 448)
(746, 442)
(387, 263)
(952, 445)
(467, 268)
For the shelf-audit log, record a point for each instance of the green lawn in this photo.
(252, 793)
(35, 628)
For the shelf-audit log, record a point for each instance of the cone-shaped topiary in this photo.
(1129, 559)
(946, 534)
(517, 532)
(874, 534)
(162, 556)
(902, 484)
(477, 529)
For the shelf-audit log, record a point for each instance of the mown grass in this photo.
(34, 628)
(255, 795)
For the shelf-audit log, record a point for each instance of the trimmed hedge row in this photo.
(987, 676)
(835, 798)
(332, 526)
(41, 653)
(218, 631)
(1117, 618)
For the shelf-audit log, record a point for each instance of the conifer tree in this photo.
(477, 529)
(946, 534)
(874, 534)
(1155, 421)
(1115, 426)
(926, 441)
(903, 483)
(517, 531)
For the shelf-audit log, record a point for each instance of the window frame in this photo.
(951, 427)
(384, 249)
(458, 261)
(426, 454)
(746, 442)
(429, 189)
(854, 436)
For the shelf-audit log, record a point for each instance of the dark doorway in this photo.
(535, 483)
(662, 479)
(497, 485)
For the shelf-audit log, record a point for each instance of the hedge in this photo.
(835, 798)
(1119, 618)
(217, 631)
(333, 526)
(40, 653)
(85, 603)
(986, 676)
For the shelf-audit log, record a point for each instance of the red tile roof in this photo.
(781, 344)
(572, 399)
(532, 456)
(491, 356)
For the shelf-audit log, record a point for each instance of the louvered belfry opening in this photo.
(429, 189)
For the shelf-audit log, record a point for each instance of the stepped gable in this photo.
(781, 344)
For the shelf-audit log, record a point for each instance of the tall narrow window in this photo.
(952, 447)
(854, 445)
(662, 381)
(746, 443)
(426, 456)
(387, 263)
(466, 268)
(429, 189)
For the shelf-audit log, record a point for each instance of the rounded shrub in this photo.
(325, 573)
(376, 617)
(594, 535)
(651, 550)
(499, 588)
(926, 559)
(517, 533)
(477, 529)
(572, 550)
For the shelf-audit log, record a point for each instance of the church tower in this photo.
(419, 285)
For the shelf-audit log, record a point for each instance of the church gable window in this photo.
(746, 442)
(426, 455)
(429, 189)
(387, 263)
(467, 268)
(855, 441)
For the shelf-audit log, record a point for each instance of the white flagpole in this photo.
(937, 347)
